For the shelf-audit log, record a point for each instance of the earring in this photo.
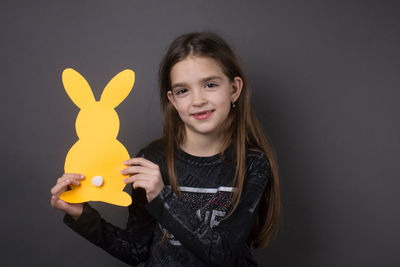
(233, 105)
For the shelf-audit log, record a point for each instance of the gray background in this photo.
(325, 83)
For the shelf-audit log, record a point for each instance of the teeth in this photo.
(205, 112)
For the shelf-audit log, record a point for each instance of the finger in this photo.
(141, 161)
(53, 201)
(135, 178)
(133, 170)
(61, 204)
(60, 188)
(141, 184)
(75, 176)
(129, 180)
(57, 203)
(138, 169)
(71, 176)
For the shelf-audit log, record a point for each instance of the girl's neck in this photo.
(201, 145)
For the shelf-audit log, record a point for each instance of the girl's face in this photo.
(202, 94)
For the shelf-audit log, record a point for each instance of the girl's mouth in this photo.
(202, 115)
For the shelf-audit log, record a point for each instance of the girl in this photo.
(208, 190)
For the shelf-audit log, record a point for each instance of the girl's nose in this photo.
(198, 98)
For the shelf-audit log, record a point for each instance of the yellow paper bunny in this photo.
(97, 154)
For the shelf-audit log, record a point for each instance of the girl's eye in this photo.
(211, 85)
(180, 91)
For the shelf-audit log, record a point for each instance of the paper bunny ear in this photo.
(77, 88)
(118, 88)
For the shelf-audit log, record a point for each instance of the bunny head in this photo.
(97, 120)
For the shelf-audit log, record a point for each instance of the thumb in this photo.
(62, 205)
(56, 203)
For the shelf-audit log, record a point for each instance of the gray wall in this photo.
(325, 81)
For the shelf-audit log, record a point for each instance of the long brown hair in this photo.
(243, 129)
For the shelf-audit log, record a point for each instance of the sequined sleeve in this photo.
(130, 245)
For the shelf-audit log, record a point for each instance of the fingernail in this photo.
(66, 181)
(82, 176)
(125, 180)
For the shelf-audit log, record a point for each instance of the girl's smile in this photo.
(202, 115)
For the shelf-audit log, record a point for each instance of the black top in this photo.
(197, 235)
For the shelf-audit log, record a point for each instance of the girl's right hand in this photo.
(75, 210)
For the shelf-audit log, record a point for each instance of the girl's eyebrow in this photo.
(207, 79)
(178, 85)
(202, 81)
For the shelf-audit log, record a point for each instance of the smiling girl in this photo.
(208, 190)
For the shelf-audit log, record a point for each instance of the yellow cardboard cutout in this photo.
(97, 154)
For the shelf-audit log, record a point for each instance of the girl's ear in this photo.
(77, 88)
(237, 85)
(171, 98)
(118, 88)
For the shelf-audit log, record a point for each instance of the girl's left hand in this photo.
(144, 174)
